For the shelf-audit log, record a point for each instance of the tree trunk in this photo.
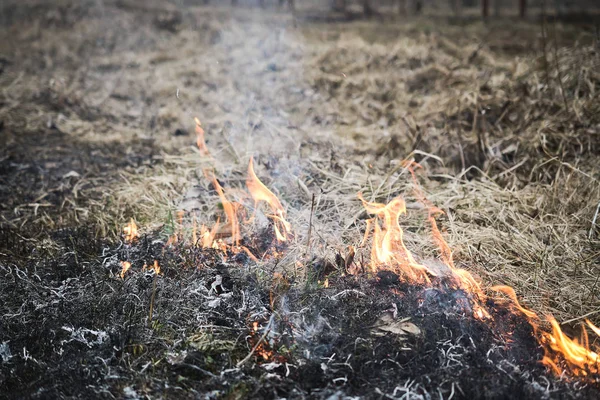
(367, 9)
(522, 8)
(485, 6)
(418, 7)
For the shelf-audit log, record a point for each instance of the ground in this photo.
(97, 110)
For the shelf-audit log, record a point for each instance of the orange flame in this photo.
(573, 355)
(200, 138)
(231, 210)
(207, 237)
(156, 267)
(463, 278)
(131, 231)
(126, 265)
(260, 193)
(388, 249)
(562, 354)
(261, 348)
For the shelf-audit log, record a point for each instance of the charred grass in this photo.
(97, 128)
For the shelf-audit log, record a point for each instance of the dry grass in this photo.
(507, 135)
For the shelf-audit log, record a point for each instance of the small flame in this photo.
(126, 265)
(175, 237)
(260, 193)
(261, 348)
(156, 267)
(131, 231)
(200, 138)
(207, 237)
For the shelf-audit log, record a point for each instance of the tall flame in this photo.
(388, 249)
(231, 212)
(462, 277)
(260, 193)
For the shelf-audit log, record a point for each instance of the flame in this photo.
(126, 265)
(200, 138)
(156, 267)
(207, 237)
(561, 353)
(131, 231)
(260, 193)
(262, 349)
(510, 292)
(231, 210)
(462, 277)
(388, 249)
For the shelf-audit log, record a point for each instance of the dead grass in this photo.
(507, 136)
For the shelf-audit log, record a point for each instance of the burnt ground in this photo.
(43, 174)
(80, 331)
(96, 127)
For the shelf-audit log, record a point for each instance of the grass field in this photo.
(97, 108)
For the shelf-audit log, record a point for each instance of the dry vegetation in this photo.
(96, 121)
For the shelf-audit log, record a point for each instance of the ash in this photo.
(72, 328)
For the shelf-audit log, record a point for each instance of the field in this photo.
(97, 108)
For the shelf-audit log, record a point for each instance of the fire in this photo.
(260, 193)
(262, 349)
(231, 212)
(573, 355)
(562, 354)
(207, 237)
(200, 138)
(131, 231)
(388, 249)
(213, 238)
(578, 356)
(126, 265)
(463, 278)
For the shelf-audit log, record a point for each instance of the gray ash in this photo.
(70, 327)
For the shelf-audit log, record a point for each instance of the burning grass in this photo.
(249, 268)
